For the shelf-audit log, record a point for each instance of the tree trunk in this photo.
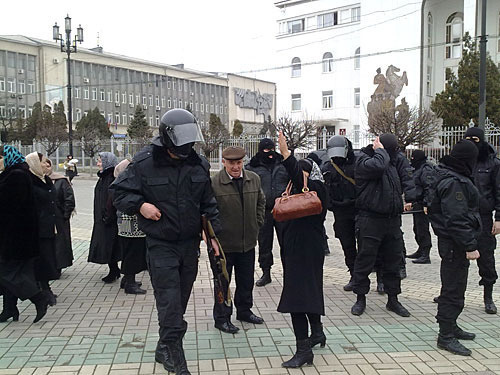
(91, 171)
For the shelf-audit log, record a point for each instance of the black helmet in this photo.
(179, 127)
(338, 146)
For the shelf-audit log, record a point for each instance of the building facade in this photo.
(34, 70)
(332, 51)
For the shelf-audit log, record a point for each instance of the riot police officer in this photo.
(168, 186)
(339, 179)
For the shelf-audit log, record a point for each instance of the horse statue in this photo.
(396, 82)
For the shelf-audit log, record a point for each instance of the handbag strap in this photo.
(288, 190)
(341, 172)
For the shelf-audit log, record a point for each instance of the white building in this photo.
(332, 49)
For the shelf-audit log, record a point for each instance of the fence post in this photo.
(324, 137)
(83, 158)
(220, 156)
(57, 158)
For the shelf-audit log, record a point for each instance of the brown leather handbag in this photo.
(294, 206)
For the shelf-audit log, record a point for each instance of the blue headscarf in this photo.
(12, 156)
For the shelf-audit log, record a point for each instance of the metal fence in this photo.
(124, 148)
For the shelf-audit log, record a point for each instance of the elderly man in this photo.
(241, 204)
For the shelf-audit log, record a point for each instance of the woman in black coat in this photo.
(104, 245)
(303, 257)
(45, 203)
(65, 205)
(19, 244)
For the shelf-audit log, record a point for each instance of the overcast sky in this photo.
(208, 35)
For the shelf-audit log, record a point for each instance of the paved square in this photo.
(96, 329)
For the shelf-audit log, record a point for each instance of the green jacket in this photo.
(240, 223)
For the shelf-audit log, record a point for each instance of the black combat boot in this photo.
(302, 356)
(417, 254)
(265, 279)
(41, 304)
(162, 356)
(176, 353)
(460, 334)
(317, 335)
(447, 340)
(9, 308)
(350, 285)
(395, 306)
(424, 258)
(489, 305)
(359, 307)
(380, 283)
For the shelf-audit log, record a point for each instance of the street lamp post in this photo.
(69, 47)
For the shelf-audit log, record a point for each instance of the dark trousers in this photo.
(378, 237)
(173, 266)
(421, 231)
(243, 264)
(454, 272)
(345, 230)
(266, 237)
(486, 244)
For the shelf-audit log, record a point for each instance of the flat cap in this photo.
(233, 153)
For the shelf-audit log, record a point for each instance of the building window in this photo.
(211, 108)
(345, 16)
(296, 102)
(357, 98)
(327, 20)
(150, 120)
(168, 84)
(131, 98)
(94, 93)
(86, 93)
(2, 111)
(151, 100)
(185, 86)
(110, 96)
(144, 100)
(31, 87)
(173, 84)
(117, 118)
(11, 60)
(163, 102)
(197, 107)
(22, 111)
(296, 67)
(2, 83)
(356, 14)
(78, 114)
(124, 119)
(169, 103)
(357, 58)
(124, 97)
(327, 62)
(175, 103)
(295, 26)
(180, 85)
(202, 107)
(157, 100)
(130, 118)
(77, 93)
(157, 120)
(429, 35)
(22, 87)
(11, 84)
(137, 101)
(221, 109)
(117, 96)
(454, 31)
(31, 63)
(102, 95)
(327, 99)
(428, 85)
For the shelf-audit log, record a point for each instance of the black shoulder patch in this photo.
(459, 196)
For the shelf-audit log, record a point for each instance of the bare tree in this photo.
(299, 133)
(51, 130)
(411, 126)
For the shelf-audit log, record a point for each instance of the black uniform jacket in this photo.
(487, 180)
(181, 190)
(273, 178)
(423, 178)
(454, 211)
(341, 192)
(380, 183)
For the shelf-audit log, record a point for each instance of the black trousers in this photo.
(454, 272)
(486, 244)
(378, 237)
(345, 230)
(266, 237)
(421, 231)
(244, 265)
(173, 267)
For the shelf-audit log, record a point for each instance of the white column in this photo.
(470, 7)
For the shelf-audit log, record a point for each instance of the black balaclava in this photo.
(270, 156)
(482, 146)
(463, 157)
(390, 143)
(418, 159)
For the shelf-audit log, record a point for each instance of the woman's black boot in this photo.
(114, 273)
(9, 308)
(41, 304)
(302, 356)
(317, 335)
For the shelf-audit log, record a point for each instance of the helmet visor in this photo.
(185, 133)
(340, 152)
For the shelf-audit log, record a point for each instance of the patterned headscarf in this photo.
(35, 164)
(108, 160)
(12, 156)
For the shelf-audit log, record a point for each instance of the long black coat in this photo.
(65, 204)
(45, 203)
(18, 216)
(104, 246)
(303, 253)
